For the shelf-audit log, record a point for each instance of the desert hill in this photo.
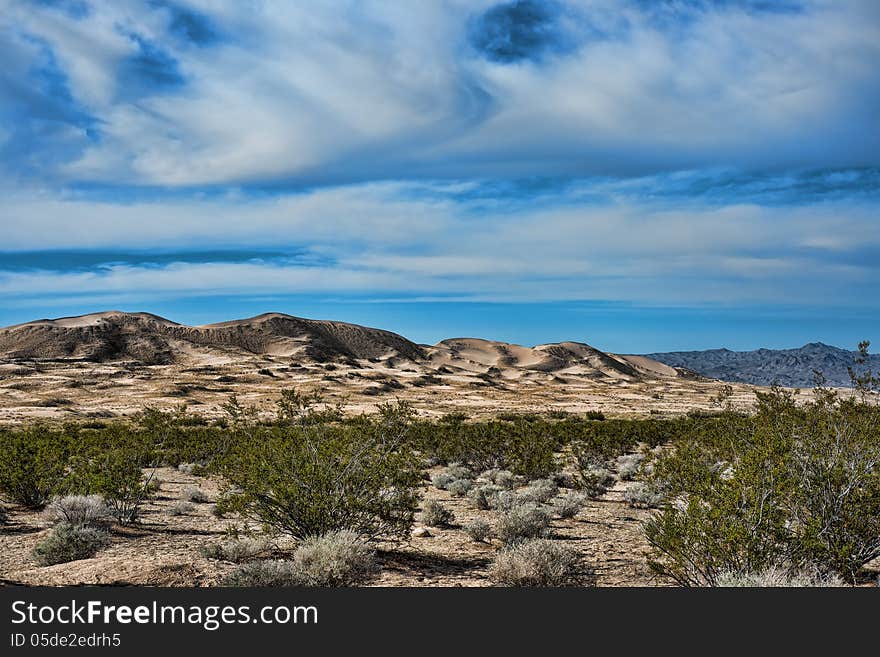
(151, 340)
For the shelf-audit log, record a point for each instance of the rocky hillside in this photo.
(787, 367)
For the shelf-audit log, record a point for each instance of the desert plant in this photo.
(78, 510)
(435, 514)
(181, 508)
(67, 542)
(481, 496)
(115, 473)
(594, 480)
(478, 530)
(311, 480)
(628, 466)
(460, 487)
(266, 573)
(236, 550)
(776, 577)
(458, 471)
(539, 562)
(796, 484)
(32, 465)
(504, 500)
(569, 505)
(643, 494)
(522, 522)
(339, 558)
(442, 480)
(539, 491)
(195, 494)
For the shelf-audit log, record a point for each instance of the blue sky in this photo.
(638, 175)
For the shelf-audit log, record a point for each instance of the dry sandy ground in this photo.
(163, 549)
(59, 390)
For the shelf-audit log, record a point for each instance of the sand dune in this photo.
(144, 339)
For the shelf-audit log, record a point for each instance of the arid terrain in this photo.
(163, 549)
(112, 364)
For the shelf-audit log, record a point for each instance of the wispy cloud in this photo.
(201, 94)
(677, 152)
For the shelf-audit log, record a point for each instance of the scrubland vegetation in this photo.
(789, 495)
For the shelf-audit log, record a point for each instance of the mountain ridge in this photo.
(786, 367)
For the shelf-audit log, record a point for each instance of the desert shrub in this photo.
(442, 480)
(181, 508)
(67, 542)
(569, 505)
(502, 478)
(522, 522)
(435, 514)
(195, 494)
(32, 465)
(478, 530)
(594, 479)
(339, 558)
(539, 491)
(775, 577)
(540, 562)
(3, 515)
(116, 475)
(458, 471)
(481, 496)
(79, 510)
(564, 480)
(504, 500)
(460, 487)
(628, 466)
(795, 484)
(595, 415)
(235, 550)
(263, 574)
(642, 494)
(523, 447)
(312, 480)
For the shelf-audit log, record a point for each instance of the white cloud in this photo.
(347, 91)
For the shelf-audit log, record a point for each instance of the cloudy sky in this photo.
(637, 174)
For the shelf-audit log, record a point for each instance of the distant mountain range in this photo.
(787, 367)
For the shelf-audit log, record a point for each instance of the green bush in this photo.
(117, 476)
(435, 514)
(69, 542)
(311, 480)
(793, 484)
(33, 463)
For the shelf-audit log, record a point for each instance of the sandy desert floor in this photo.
(163, 549)
(70, 390)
